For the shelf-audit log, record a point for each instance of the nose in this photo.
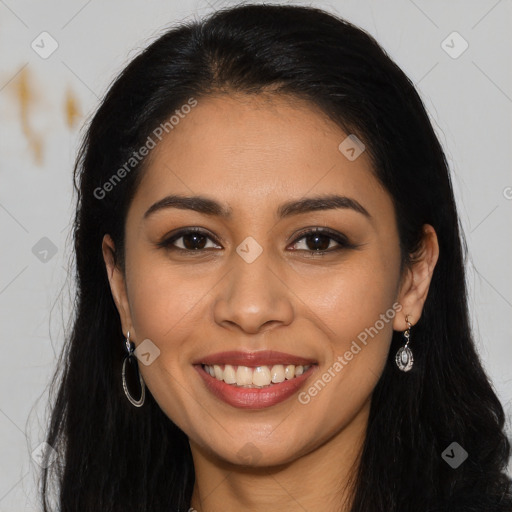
(253, 297)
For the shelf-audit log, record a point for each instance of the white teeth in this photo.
(277, 373)
(257, 377)
(229, 375)
(217, 372)
(243, 375)
(289, 372)
(261, 376)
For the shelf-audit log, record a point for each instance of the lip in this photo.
(261, 358)
(253, 398)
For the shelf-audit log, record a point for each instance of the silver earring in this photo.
(403, 358)
(132, 361)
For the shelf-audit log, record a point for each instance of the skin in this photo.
(252, 153)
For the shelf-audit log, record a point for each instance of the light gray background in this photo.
(469, 99)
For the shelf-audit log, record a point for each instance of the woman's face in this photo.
(251, 281)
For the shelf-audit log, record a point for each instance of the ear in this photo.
(117, 284)
(416, 282)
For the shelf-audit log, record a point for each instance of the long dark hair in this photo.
(115, 457)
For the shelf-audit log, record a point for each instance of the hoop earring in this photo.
(403, 358)
(132, 360)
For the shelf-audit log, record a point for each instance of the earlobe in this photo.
(416, 284)
(117, 283)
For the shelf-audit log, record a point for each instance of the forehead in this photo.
(249, 150)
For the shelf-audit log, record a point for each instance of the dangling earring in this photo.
(132, 361)
(403, 358)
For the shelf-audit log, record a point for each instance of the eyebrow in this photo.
(211, 207)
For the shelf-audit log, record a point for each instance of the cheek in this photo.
(167, 307)
(164, 300)
(352, 297)
(357, 305)
(156, 300)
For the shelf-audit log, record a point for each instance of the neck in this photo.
(321, 480)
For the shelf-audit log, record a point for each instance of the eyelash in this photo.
(342, 241)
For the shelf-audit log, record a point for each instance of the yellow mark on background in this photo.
(26, 98)
(72, 109)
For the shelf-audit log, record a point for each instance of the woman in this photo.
(271, 309)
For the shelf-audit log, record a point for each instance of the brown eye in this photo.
(321, 241)
(194, 241)
(190, 240)
(316, 242)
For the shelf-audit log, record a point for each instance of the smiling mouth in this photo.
(255, 376)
